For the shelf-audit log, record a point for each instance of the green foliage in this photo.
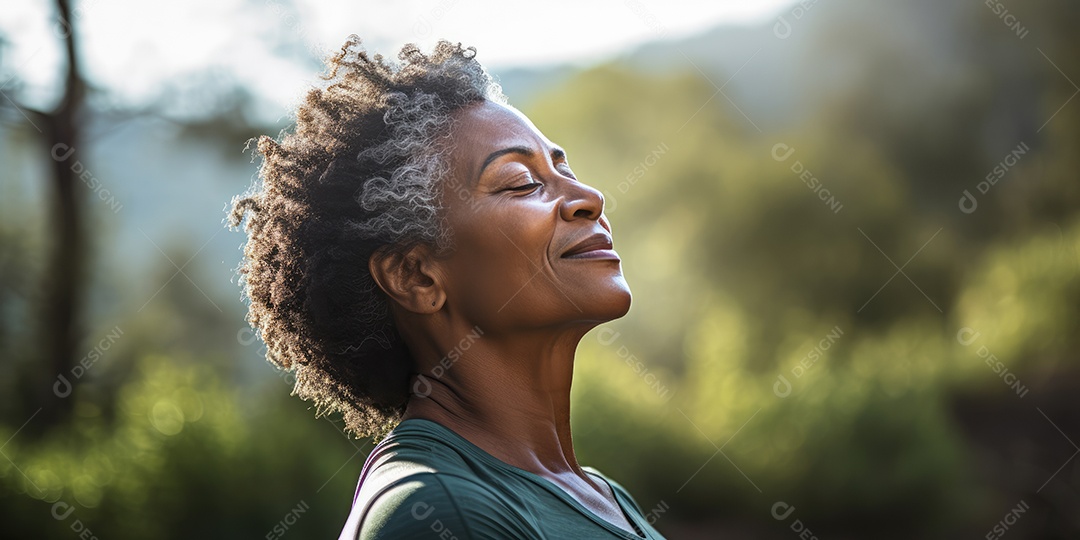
(739, 270)
(184, 456)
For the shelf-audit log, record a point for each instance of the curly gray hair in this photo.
(364, 169)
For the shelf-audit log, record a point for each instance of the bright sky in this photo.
(134, 48)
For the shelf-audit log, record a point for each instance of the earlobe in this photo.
(407, 276)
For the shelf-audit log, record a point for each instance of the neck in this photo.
(510, 397)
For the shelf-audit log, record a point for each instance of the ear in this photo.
(411, 277)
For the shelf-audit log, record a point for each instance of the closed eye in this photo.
(525, 187)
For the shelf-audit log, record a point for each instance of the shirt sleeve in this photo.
(417, 507)
(438, 507)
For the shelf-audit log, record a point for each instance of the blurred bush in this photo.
(183, 454)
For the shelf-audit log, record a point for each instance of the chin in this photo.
(610, 301)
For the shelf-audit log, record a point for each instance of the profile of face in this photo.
(532, 247)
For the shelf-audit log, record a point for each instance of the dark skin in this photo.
(509, 392)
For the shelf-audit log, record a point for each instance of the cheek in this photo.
(501, 259)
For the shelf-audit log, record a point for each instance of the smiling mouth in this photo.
(595, 254)
(597, 246)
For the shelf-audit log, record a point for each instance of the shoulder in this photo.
(416, 506)
(416, 484)
(438, 505)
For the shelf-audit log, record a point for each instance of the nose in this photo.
(582, 201)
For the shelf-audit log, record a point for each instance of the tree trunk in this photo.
(64, 273)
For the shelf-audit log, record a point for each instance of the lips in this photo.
(595, 242)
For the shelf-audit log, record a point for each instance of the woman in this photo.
(427, 262)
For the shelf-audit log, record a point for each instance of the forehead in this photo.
(482, 128)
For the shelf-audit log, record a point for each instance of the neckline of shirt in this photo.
(483, 455)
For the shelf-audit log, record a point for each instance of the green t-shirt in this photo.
(425, 481)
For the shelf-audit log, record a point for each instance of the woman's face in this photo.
(531, 244)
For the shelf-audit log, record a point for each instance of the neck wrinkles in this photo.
(510, 399)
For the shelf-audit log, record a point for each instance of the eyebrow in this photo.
(556, 154)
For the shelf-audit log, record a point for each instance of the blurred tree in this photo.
(64, 273)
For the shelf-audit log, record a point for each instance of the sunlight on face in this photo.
(532, 247)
